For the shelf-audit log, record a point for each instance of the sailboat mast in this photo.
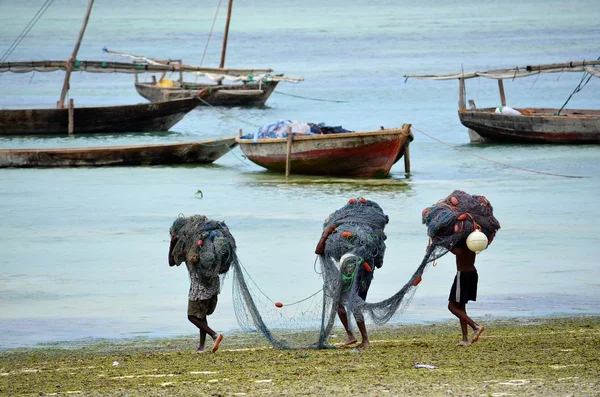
(224, 50)
(63, 94)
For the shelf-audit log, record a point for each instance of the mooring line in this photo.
(494, 161)
(308, 98)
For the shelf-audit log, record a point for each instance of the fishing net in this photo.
(354, 248)
(452, 219)
(205, 244)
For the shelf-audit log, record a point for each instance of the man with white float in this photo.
(464, 287)
(464, 225)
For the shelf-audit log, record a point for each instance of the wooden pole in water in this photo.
(288, 156)
(461, 94)
(69, 69)
(406, 131)
(226, 35)
(501, 89)
(71, 113)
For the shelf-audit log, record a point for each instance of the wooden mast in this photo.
(63, 94)
(224, 49)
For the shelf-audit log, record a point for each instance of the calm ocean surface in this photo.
(83, 252)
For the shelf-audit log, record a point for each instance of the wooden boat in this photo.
(532, 125)
(535, 125)
(143, 117)
(246, 94)
(199, 152)
(251, 87)
(352, 154)
(159, 116)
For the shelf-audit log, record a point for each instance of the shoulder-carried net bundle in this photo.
(358, 231)
(205, 243)
(452, 219)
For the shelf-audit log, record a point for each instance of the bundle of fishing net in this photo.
(206, 244)
(354, 248)
(451, 220)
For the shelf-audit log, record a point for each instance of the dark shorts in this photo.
(464, 288)
(202, 308)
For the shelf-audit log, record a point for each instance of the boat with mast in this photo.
(527, 124)
(68, 119)
(229, 87)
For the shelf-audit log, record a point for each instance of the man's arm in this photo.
(320, 250)
(171, 246)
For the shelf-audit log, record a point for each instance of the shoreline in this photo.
(20, 334)
(514, 356)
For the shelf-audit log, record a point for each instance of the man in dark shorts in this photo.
(202, 299)
(464, 289)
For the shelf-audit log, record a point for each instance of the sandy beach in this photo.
(548, 356)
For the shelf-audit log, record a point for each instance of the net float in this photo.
(462, 217)
(199, 243)
(346, 234)
(454, 200)
(352, 201)
(362, 200)
(417, 281)
(278, 304)
(477, 241)
(367, 266)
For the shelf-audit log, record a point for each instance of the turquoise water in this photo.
(83, 251)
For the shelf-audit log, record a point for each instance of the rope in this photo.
(26, 30)
(302, 300)
(577, 89)
(266, 296)
(210, 33)
(308, 98)
(226, 114)
(493, 161)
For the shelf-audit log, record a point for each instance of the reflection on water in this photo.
(84, 250)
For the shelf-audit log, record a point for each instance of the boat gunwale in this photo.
(123, 147)
(340, 135)
(547, 112)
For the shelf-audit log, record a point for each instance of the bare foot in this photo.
(200, 350)
(349, 341)
(464, 343)
(363, 345)
(217, 343)
(478, 332)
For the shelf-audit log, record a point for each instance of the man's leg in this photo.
(464, 326)
(202, 339)
(350, 339)
(363, 333)
(204, 329)
(459, 310)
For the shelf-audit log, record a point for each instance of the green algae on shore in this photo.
(553, 356)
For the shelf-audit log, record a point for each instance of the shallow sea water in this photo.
(83, 251)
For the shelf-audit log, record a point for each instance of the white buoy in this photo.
(477, 241)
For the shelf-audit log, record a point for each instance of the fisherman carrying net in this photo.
(352, 238)
(208, 250)
(464, 225)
